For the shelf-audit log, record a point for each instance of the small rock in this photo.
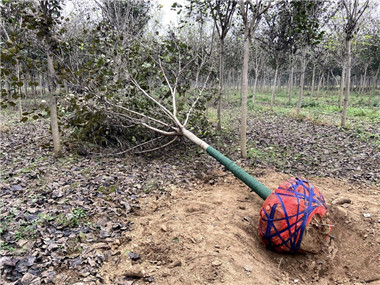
(248, 268)
(16, 187)
(296, 280)
(176, 264)
(135, 271)
(211, 182)
(57, 194)
(341, 201)
(28, 278)
(134, 256)
(367, 215)
(216, 263)
(164, 228)
(149, 279)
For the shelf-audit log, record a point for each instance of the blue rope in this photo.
(312, 201)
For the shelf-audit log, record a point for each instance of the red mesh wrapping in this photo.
(287, 211)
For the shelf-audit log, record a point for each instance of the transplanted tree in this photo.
(251, 13)
(353, 11)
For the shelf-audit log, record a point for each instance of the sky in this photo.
(167, 14)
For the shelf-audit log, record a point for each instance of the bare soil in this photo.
(208, 235)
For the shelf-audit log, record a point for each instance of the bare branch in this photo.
(196, 100)
(137, 146)
(166, 111)
(170, 87)
(159, 147)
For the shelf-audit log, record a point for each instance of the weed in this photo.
(79, 214)
(6, 246)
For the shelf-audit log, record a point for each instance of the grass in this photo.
(323, 110)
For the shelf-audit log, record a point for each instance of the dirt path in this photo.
(208, 235)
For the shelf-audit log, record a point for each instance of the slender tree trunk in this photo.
(19, 91)
(312, 82)
(319, 84)
(336, 79)
(221, 72)
(34, 91)
(374, 86)
(274, 88)
(348, 77)
(254, 87)
(342, 82)
(302, 80)
(53, 105)
(363, 81)
(290, 87)
(25, 86)
(244, 92)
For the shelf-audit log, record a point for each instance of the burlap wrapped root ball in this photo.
(294, 218)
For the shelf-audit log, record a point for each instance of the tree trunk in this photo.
(274, 88)
(19, 91)
(53, 105)
(348, 77)
(25, 87)
(302, 80)
(254, 87)
(221, 72)
(312, 82)
(34, 91)
(363, 81)
(374, 86)
(336, 80)
(342, 81)
(244, 92)
(319, 84)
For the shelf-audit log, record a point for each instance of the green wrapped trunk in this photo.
(251, 182)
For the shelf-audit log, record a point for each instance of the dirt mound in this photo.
(208, 235)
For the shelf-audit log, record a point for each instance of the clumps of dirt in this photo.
(317, 236)
(208, 235)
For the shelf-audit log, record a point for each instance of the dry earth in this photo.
(208, 235)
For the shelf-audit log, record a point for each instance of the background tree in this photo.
(222, 13)
(353, 11)
(251, 14)
(307, 17)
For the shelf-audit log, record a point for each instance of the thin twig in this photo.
(159, 147)
(137, 146)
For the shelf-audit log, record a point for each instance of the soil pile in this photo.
(208, 235)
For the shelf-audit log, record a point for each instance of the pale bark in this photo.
(53, 106)
(319, 84)
(302, 80)
(348, 82)
(312, 82)
(374, 86)
(290, 87)
(244, 92)
(274, 88)
(254, 88)
(363, 81)
(341, 89)
(221, 73)
(19, 92)
(40, 83)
